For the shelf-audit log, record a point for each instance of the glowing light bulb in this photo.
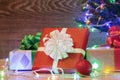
(2, 78)
(108, 70)
(37, 75)
(2, 73)
(53, 77)
(95, 46)
(95, 66)
(80, 25)
(76, 76)
(95, 73)
(92, 30)
(112, 1)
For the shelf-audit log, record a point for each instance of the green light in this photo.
(2, 73)
(112, 1)
(80, 25)
(95, 46)
(2, 78)
(95, 65)
(92, 30)
(94, 74)
(84, 8)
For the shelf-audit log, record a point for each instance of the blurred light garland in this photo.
(35, 75)
(100, 15)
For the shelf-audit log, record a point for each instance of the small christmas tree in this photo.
(100, 14)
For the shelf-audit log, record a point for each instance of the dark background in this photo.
(21, 17)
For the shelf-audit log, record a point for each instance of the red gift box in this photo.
(107, 58)
(80, 38)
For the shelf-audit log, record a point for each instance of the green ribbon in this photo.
(30, 42)
(33, 55)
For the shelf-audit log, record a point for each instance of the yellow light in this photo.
(53, 77)
(108, 70)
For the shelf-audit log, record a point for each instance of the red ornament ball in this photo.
(84, 67)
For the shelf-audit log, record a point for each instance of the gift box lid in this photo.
(79, 35)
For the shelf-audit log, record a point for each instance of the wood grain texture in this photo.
(21, 17)
(32, 7)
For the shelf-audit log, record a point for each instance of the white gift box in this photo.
(20, 60)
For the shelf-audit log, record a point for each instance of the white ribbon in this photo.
(57, 45)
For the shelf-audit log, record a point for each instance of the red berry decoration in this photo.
(84, 67)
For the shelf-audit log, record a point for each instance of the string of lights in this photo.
(100, 14)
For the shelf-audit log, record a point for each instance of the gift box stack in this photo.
(106, 58)
(23, 58)
(58, 47)
(64, 48)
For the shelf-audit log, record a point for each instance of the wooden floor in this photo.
(21, 17)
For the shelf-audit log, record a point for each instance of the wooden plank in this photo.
(21, 17)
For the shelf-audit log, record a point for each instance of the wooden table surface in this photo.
(30, 76)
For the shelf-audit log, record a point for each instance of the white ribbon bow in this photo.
(57, 45)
